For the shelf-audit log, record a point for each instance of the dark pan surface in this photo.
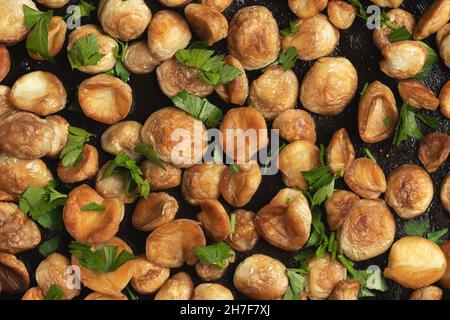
(355, 44)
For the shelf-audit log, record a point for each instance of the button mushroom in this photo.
(102, 296)
(254, 37)
(214, 219)
(53, 271)
(91, 226)
(244, 237)
(87, 169)
(417, 95)
(295, 124)
(444, 100)
(5, 104)
(18, 233)
(403, 59)
(443, 42)
(445, 192)
(409, 191)
(329, 86)
(274, 92)
(388, 3)
(123, 136)
(433, 150)
(433, 19)
(415, 262)
(161, 179)
(12, 20)
(174, 78)
(113, 186)
(238, 188)
(340, 152)
(54, 4)
(212, 291)
(124, 20)
(177, 137)
(316, 37)
(174, 3)
(220, 5)
(201, 181)
(211, 272)
(172, 244)
(56, 36)
(341, 14)
(159, 208)
(445, 280)
(426, 293)
(261, 277)
(38, 92)
(178, 287)
(236, 91)
(105, 98)
(338, 207)
(365, 178)
(297, 157)
(148, 278)
(346, 290)
(138, 58)
(5, 62)
(307, 8)
(367, 231)
(167, 33)
(400, 18)
(33, 294)
(286, 221)
(14, 277)
(377, 113)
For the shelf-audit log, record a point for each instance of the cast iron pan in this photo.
(355, 44)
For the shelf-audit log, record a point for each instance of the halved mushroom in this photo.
(342, 14)
(105, 98)
(365, 178)
(445, 192)
(254, 37)
(54, 4)
(433, 19)
(403, 59)
(286, 221)
(433, 150)
(445, 280)
(415, 262)
(238, 188)
(307, 8)
(124, 20)
(178, 287)
(12, 20)
(444, 50)
(210, 272)
(207, 23)
(92, 226)
(212, 291)
(159, 208)
(409, 191)
(388, 3)
(33, 294)
(123, 136)
(261, 277)
(297, 157)
(329, 86)
(174, 3)
(38, 92)
(14, 277)
(418, 95)
(86, 170)
(5, 104)
(323, 276)
(108, 297)
(138, 59)
(18, 233)
(106, 47)
(275, 91)
(346, 290)
(161, 179)
(201, 181)
(367, 231)
(444, 100)
(377, 113)
(244, 237)
(340, 151)
(174, 78)
(295, 124)
(219, 5)
(338, 207)
(147, 277)
(53, 271)
(110, 283)
(316, 37)
(243, 133)
(172, 244)
(18, 175)
(214, 219)
(426, 293)
(56, 36)
(401, 18)
(5, 62)
(177, 137)
(236, 91)
(60, 128)
(167, 33)
(113, 186)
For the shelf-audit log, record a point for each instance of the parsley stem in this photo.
(348, 264)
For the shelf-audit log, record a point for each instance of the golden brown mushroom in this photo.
(220, 5)
(329, 86)
(341, 13)
(148, 278)
(445, 280)
(338, 207)
(214, 219)
(138, 58)
(5, 62)
(161, 179)
(56, 36)
(346, 290)
(254, 37)
(54, 4)
(418, 95)
(388, 3)
(14, 277)
(445, 192)
(238, 188)
(426, 293)
(261, 277)
(244, 237)
(212, 291)
(409, 191)
(433, 19)
(174, 3)
(33, 294)
(178, 287)
(102, 296)
(123, 136)
(113, 186)
(295, 124)
(403, 59)
(444, 100)
(365, 178)
(236, 91)
(210, 272)
(86, 170)
(307, 8)
(159, 208)
(433, 150)
(340, 151)
(5, 104)
(401, 18)
(12, 20)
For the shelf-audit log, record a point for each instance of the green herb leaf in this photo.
(150, 154)
(437, 236)
(407, 126)
(304, 255)
(132, 294)
(72, 153)
(119, 69)
(432, 122)
(288, 59)
(362, 13)
(288, 31)
(234, 168)
(37, 41)
(322, 155)
(364, 90)
(93, 207)
(85, 7)
(297, 279)
(54, 293)
(433, 58)
(321, 183)
(370, 155)
(400, 34)
(216, 254)
(232, 223)
(85, 52)
(49, 246)
(416, 228)
(387, 120)
(200, 109)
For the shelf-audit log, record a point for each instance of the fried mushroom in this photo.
(418, 95)
(113, 186)
(433, 150)
(340, 151)
(33, 294)
(338, 207)
(5, 105)
(86, 170)
(210, 272)
(214, 219)
(138, 58)
(107, 297)
(401, 18)
(174, 3)
(5, 62)
(444, 100)
(123, 136)
(207, 23)
(159, 208)
(220, 5)
(445, 192)
(178, 287)
(14, 277)
(56, 36)
(426, 293)
(403, 59)
(212, 291)
(235, 91)
(445, 280)
(388, 3)
(161, 179)
(365, 178)
(54, 4)
(12, 20)
(238, 188)
(307, 8)
(148, 278)
(432, 20)
(341, 14)
(295, 124)
(346, 290)
(244, 237)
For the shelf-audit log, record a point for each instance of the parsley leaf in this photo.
(400, 34)
(72, 153)
(362, 13)
(85, 8)
(421, 229)
(370, 155)
(103, 259)
(54, 293)
(232, 223)
(150, 154)
(297, 279)
(119, 69)
(321, 183)
(200, 109)
(93, 207)
(433, 58)
(292, 29)
(364, 89)
(37, 41)
(436, 236)
(49, 246)
(216, 254)
(85, 52)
